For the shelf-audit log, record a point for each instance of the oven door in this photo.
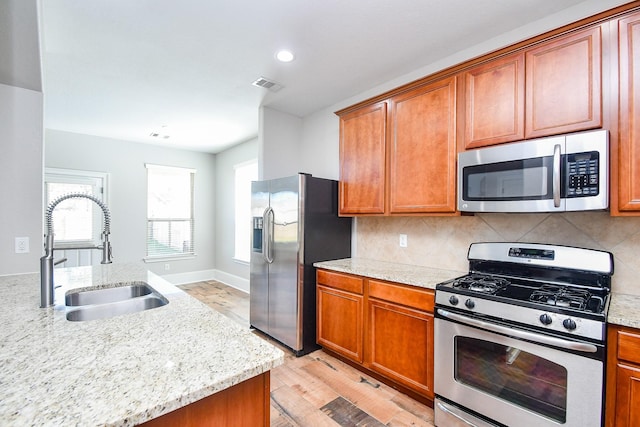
(513, 381)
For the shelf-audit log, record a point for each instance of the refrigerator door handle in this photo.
(267, 235)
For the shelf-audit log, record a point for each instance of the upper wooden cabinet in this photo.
(422, 149)
(628, 165)
(398, 150)
(493, 95)
(400, 161)
(363, 160)
(563, 81)
(552, 88)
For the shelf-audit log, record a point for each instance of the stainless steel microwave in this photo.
(553, 174)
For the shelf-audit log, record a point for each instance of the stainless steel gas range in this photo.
(520, 340)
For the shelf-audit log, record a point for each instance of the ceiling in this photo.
(125, 69)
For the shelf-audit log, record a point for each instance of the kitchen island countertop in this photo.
(120, 371)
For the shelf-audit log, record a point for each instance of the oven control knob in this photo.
(469, 304)
(545, 319)
(569, 324)
(453, 300)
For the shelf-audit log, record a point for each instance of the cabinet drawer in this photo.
(340, 281)
(422, 299)
(629, 346)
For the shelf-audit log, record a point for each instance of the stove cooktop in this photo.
(551, 288)
(528, 293)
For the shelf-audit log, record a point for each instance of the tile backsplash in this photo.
(442, 242)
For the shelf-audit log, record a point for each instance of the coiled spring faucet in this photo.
(47, 262)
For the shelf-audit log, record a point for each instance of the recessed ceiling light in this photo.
(285, 56)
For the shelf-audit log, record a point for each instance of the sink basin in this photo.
(114, 301)
(107, 295)
(105, 311)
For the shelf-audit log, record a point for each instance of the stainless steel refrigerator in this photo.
(295, 223)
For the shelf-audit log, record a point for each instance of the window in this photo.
(170, 221)
(244, 174)
(76, 221)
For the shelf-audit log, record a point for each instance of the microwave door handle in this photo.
(556, 176)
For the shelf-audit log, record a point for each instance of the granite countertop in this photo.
(622, 308)
(120, 371)
(423, 277)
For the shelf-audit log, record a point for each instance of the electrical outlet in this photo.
(22, 245)
(167, 267)
(403, 240)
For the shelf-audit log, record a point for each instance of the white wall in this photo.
(125, 162)
(319, 150)
(279, 141)
(20, 177)
(230, 271)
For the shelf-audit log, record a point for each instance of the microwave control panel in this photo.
(582, 171)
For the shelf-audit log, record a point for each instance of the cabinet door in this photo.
(400, 342)
(423, 150)
(363, 160)
(339, 322)
(629, 143)
(564, 88)
(494, 102)
(627, 396)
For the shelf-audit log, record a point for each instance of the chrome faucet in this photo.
(47, 262)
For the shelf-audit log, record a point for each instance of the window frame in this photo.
(181, 255)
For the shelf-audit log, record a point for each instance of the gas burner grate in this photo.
(481, 283)
(561, 297)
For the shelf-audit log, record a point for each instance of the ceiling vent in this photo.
(158, 135)
(267, 84)
(163, 133)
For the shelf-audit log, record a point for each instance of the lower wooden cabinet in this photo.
(340, 322)
(401, 345)
(385, 328)
(623, 377)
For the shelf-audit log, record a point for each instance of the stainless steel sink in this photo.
(107, 295)
(113, 301)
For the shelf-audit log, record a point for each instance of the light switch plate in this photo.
(22, 245)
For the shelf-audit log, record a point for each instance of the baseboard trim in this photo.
(232, 280)
(203, 275)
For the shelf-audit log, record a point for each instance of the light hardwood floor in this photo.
(317, 389)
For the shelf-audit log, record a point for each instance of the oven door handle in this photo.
(517, 333)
